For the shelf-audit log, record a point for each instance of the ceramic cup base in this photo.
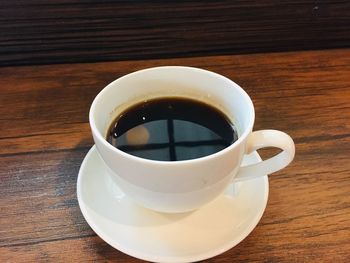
(159, 237)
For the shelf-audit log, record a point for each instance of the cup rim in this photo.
(103, 140)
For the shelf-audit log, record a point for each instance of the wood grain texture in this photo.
(45, 135)
(47, 32)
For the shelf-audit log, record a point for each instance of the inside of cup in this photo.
(173, 81)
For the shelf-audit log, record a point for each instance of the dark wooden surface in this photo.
(46, 32)
(45, 135)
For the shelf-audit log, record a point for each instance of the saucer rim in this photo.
(165, 259)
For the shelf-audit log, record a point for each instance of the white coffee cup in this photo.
(181, 186)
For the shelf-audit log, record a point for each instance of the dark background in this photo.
(63, 31)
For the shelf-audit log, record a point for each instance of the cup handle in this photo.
(262, 139)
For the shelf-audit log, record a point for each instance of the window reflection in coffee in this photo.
(171, 129)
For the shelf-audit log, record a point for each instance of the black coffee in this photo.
(171, 129)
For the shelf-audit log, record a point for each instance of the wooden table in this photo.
(45, 135)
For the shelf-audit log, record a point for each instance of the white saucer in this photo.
(144, 234)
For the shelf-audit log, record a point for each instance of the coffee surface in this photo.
(171, 129)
